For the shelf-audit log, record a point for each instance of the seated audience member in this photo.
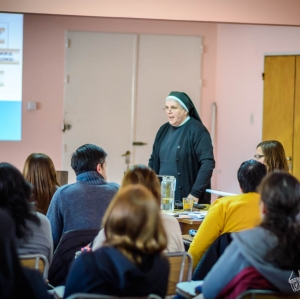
(82, 205)
(231, 213)
(33, 229)
(140, 174)
(40, 172)
(16, 282)
(266, 257)
(130, 263)
(271, 154)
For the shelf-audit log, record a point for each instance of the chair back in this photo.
(37, 262)
(102, 296)
(266, 294)
(181, 266)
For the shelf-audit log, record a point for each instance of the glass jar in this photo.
(168, 186)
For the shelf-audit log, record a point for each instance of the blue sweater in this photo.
(80, 205)
(107, 271)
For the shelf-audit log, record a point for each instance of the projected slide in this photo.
(11, 55)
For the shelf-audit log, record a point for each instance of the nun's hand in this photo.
(194, 198)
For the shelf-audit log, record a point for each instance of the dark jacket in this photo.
(70, 242)
(107, 271)
(195, 160)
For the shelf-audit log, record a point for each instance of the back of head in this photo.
(250, 174)
(132, 223)
(280, 193)
(275, 158)
(86, 158)
(141, 174)
(39, 170)
(15, 193)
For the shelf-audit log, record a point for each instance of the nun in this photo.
(182, 148)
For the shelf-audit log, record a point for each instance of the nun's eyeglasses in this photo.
(172, 109)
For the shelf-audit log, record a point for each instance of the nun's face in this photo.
(175, 113)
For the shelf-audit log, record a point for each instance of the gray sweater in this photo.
(40, 240)
(80, 205)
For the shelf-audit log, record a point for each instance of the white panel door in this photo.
(117, 88)
(166, 63)
(98, 96)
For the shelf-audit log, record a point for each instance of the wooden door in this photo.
(296, 148)
(281, 105)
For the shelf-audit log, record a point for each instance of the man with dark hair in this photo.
(81, 205)
(231, 213)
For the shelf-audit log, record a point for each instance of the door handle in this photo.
(138, 143)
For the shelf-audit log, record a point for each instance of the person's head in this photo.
(250, 174)
(178, 107)
(132, 223)
(280, 206)
(141, 174)
(87, 158)
(15, 193)
(271, 153)
(39, 170)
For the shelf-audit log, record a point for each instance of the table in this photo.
(187, 224)
(187, 289)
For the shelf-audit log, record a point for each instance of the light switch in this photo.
(31, 105)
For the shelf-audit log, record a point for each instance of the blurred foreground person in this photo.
(16, 282)
(140, 174)
(130, 263)
(266, 257)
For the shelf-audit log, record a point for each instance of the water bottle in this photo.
(168, 186)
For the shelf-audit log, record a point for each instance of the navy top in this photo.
(107, 271)
(168, 151)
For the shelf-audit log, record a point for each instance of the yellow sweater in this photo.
(227, 214)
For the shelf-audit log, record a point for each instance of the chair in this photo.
(101, 296)
(269, 294)
(70, 242)
(181, 265)
(37, 262)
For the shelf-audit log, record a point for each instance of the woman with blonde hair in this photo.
(130, 263)
(141, 174)
(39, 170)
(271, 153)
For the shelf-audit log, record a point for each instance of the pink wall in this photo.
(239, 92)
(43, 75)
(232, 11)
(233, 61)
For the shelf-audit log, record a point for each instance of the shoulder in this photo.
(168, 219)
(113, 185)
(44, 220)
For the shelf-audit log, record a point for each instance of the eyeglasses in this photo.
(172, 109)
(258, 156)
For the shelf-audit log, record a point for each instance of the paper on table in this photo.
(220, 193)
(199, 216)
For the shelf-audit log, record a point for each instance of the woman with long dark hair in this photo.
(16, 282)
(266, 257)
(39, 170)
(33, 229)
